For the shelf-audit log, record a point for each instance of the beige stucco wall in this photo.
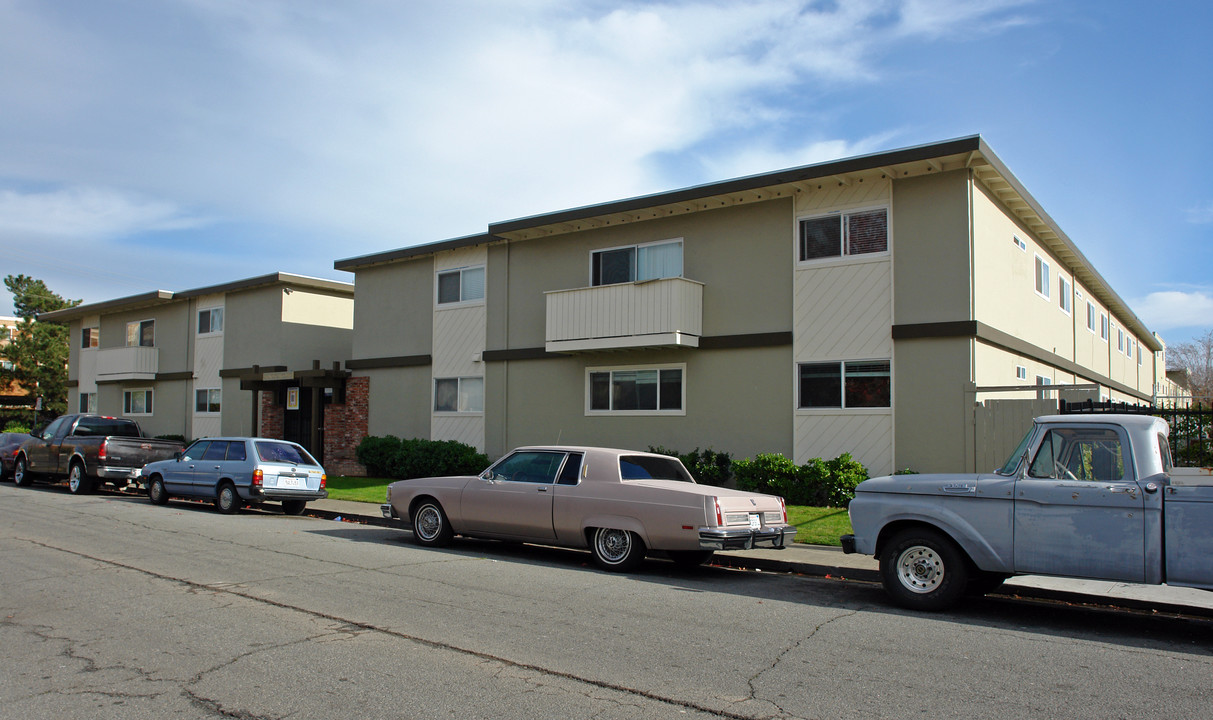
(392, 309)
(399, 401)
(930, 378)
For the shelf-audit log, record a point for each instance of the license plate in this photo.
(291, 481)
(755, 522)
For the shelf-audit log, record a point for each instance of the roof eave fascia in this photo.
(413, 252)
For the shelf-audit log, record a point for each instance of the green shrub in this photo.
(708, 467)
(392, 457)
(178, 438)
(14, 426)
(817, 483)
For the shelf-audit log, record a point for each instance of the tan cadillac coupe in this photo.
(618, 503)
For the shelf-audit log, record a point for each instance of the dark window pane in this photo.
(147, 335)
(196, 451)
(570, 474)
(867, 384)
(645, 467)
(204, 322)
(623, 390)
(671, 390)
(614, 266)
(448, 287)
(820, 238)
(446, 395)
(217, 451)
(646, 389)
(600, 391)
(236, 451)
(867, 232)
(821, 385)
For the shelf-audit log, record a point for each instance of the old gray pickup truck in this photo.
(88, 449)
(1085, 496)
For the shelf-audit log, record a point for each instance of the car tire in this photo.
(430, 525)
(922, 569)
(227, 500)
(617, 550)
(690, 558)
(21, 473)
(293, 507)
(156, 492)
(78, 482)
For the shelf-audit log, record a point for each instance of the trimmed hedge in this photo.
(389, 456)
(708, 467)
(818, 483)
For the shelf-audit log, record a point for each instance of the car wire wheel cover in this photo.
(613, 546)
(428, 523)
(920, 569)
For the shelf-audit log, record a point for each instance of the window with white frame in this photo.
(461, 285)
(1021, 372)
(210, 321)
(1042, 277)
(1065, 294)
(1091, 317)
(459, 395)
(90, 337)
(1019, 243)
(1140, 359)
(88, 402)
(1103, 327)
(859, 232)
(1042, 381)
(1129, 348)
(207, 400)
(636, 263)
(141, 333)
(845, 384)
(137, 402)
(1120, 340)
(636, 390)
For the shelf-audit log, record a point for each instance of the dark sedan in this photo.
(9, 442)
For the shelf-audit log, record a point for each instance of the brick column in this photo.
(344, 427)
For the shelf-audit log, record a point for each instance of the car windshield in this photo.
(1012, 462)
(284, 453)
(652, 467)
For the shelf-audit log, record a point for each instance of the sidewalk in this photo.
(825, 561)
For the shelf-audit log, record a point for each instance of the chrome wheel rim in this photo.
(19, 472)
(73, 478)
(920, 569)
(227, 497)
(157, 490)
(429, 522)
(613, 545)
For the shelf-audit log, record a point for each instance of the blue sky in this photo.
(174, 144)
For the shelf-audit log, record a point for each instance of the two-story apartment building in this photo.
(848, 306)
(254, 356)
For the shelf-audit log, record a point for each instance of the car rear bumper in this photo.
(110, 472)
(258, 494)
(716, 538)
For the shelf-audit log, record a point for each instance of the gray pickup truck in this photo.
(1084, 496)
(87, 450)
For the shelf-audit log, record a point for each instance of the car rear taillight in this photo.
(324, 479)
(784, 508)
(719, 516)
(258, 477)
(102, 451)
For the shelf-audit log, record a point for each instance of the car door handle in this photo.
(542, 488)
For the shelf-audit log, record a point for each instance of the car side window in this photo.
(1164, 449)
(53, 428)
(530, 466)
(570, 474)
(236, 451)
(196, 451)
(1087, 454)
(217, 451)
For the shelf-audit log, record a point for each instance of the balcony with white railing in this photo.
(127, 363)
(651, 313)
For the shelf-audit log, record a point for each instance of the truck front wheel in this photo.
(922, 569)
(77, 481)
(21, 475)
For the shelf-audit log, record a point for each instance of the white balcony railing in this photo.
(127, 363)
(652, 313)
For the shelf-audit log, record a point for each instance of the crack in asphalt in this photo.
(779, 659)
(352, 626)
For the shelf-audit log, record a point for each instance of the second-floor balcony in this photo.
(127, 363)
(652, 313)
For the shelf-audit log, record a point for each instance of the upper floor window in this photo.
(1019, 243)
(636, 263)
(88, 402)
(1064, 294)
(89, 337)
(1042, 277)
(1120, 340)
(1091, 317)
(210, 321)
(636, 390)
(1129, 348)
(850, 384)
(459, 394)
(837, 235)
(141, 333)
(1103, 326)
(461, 285)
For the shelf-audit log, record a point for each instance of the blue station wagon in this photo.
(234, 471)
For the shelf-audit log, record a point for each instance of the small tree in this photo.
(1197, 356)
(38, 351)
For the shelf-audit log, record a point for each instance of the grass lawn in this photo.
(818, 526)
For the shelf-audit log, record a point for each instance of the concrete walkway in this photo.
(825, 561)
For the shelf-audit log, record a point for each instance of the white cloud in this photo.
(1172, 309)
(1201, 214)
(83, 212)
